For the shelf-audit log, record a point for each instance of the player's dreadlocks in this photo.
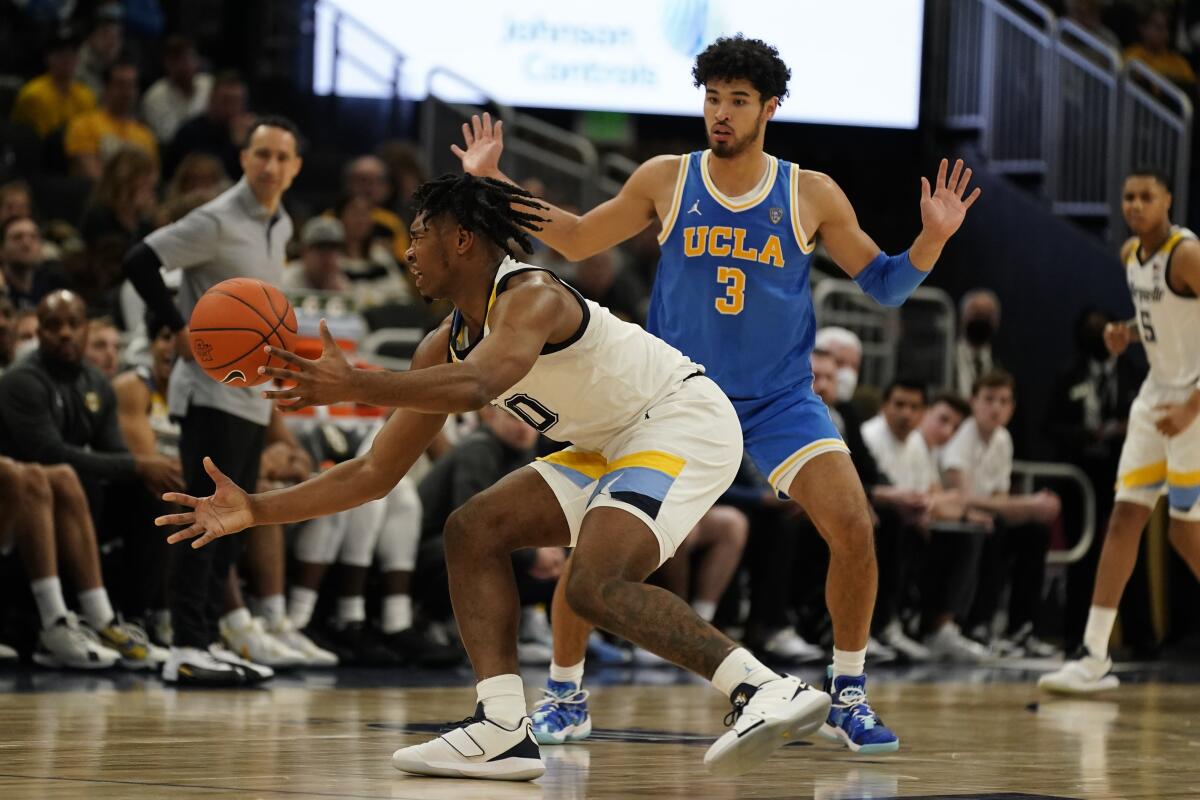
(736, 57)
(482, 205)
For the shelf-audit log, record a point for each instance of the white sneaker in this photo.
(7, 653)
(284, 631)
(765, 718)
(477, 747)
(894, 637)
(134, 645)
(949, 644)
(535, 626)
(191, 666)
(787, 645)
(253, 643)
(878, 652)
(1085, 675)
(66, 643)
(252, 671)
(534, 653)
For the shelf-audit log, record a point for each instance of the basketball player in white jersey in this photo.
(1161, 454)
(655, 444)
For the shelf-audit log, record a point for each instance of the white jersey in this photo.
(1169, 323)
(593, 386)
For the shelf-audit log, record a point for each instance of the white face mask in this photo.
(24, 348)
(847, 382)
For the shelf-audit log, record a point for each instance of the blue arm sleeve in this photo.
(890, 279)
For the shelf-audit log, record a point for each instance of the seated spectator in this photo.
(197, 172)
(219, 131)
(15, 200)
(96, 136)
(1153, 48)
(46, 519)
(320, 264)
(57, 409)
(367, 176)
(102, 47)
(26, 277)
(369, 265)
(979, 321)
(846, 349)
(605, 279)
(978, 463)
(8, 332)
(718, 539)
(123, 201)
(405, 171)
(1086, 14)
(26, 327)
(50, 101)
(103, 348)
(180, 94)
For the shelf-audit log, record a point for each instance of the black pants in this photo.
(1016, 552)
(899, 550)
(196, 588)
(951, 573)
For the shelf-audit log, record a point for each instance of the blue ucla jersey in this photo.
(732, 290)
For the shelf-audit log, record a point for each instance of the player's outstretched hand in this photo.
(485, 142)
(227, 510)
(942, 205)
(318, 382)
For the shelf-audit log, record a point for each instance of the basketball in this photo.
(232, 323)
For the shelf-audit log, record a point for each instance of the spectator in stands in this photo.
(219, 131)
(320, 264)
(979, 321)
(1086, 14)
(978, 463)
(367, 176)
(180, 94)
(50, 101)
(102, 47)
(26, 327)
(96, 136)
(720, 536)
(26, 276)
(103, 348)
(45, 516)
(369, 263)
(406, 172)
(57, 409)
(1086, 422)
(1154, 49)
(15, 200)
(123, 203)
(605, 279)
(846, 349)
(196, 172)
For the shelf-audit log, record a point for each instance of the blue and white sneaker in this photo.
(561, 715)
(852, 721)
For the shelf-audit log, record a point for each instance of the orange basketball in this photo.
(232, 323)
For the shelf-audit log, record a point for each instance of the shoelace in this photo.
(552, 703)
(855, 699)
(462, 723)
(739, 706)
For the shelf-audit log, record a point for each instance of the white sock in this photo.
(352, 609)
(397, 613)
(572, 674)
(849, 663)
(503, 699)
(739, 667)
(705, 609)
(273, 608)
(237, 619)
(1100, 623)
(97, 610)
(52, 607)
(302, 601)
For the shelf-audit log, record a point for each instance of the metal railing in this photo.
(1025, 473)
(925, 323)
(1051, 100)
(348, 35)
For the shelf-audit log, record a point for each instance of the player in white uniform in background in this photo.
(1161, 454)
(655, 444)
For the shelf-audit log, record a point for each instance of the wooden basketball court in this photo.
(125, 737)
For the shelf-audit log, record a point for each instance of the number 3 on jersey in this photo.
(735, 290)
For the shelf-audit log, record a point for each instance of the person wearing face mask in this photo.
(979, 313)
(846, 348)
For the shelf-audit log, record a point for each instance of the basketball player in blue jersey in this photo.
(732, 292)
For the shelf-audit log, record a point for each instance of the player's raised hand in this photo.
(318, 382)
(943, 206)
(227, 510)
(485, 142)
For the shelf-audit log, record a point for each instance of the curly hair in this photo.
(482, 205)
(736, 57)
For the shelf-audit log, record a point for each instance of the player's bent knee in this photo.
(585, 594)
(36, 484)
(469, 527)
(65, 483)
